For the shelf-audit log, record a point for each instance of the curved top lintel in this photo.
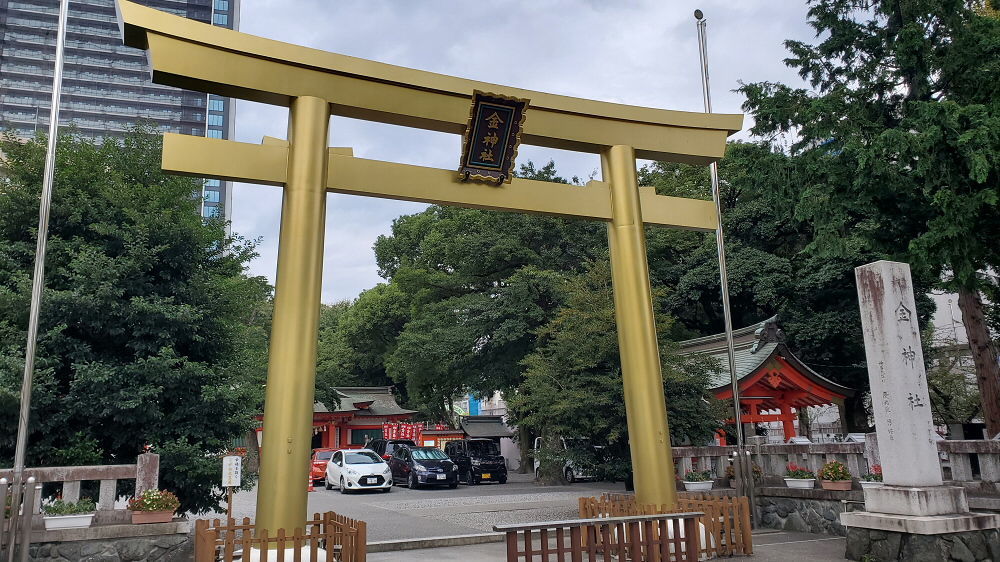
(191, 54)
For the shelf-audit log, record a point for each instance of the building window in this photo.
(215, 134)
(215, 120)
(209, 212)
(213, 183)
(211, 196)
(221, 19)
(222, 5)
(358, 435)
(217, 105)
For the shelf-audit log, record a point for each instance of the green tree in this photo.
(151, 332)
(573, 386)
(900, 131)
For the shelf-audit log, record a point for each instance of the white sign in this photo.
(232, 471)
(900, 401)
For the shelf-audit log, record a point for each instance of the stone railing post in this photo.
(147, 472)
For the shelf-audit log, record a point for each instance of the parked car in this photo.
(416, 466)
(570, 471)
(386, 447)
(478, 460)
(318, 465)
(358, 469)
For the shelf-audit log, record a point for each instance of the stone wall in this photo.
(160, 542)
(975, 546)
(164, 548)
(808, 511)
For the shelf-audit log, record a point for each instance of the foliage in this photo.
(154, 500)
(875, 475)
(834, 470)
(795, 471)
(758, 472)
(896, 136)
(60, 507)
(150, 331)
(698, 476)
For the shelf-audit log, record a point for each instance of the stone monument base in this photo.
(969, 546)
(921, 523)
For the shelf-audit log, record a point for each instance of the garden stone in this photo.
(887, 548)
(924, 548)
(796, 523)
(133, 550)
(858, 544)
(829, 515)
(961, 552)
(70, 551)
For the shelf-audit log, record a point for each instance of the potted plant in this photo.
(153, 506)
(873, 479)
(698, 480)
(758, 473)
(799, 477)
(835, 476)
(69, 515)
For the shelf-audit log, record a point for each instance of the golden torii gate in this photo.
(314, 85)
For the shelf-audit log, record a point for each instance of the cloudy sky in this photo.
(635, 52)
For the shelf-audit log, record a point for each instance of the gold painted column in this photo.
(645, 407)
(291, 370)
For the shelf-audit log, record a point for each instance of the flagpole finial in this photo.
(699, 15)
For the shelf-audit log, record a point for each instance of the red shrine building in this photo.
(774, 384)
(357, 419)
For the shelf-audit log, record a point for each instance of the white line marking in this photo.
(807, 540)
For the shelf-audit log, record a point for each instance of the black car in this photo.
(386, 447)
(417, 466)
(478, 460)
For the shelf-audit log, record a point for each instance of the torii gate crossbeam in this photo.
(315, 85)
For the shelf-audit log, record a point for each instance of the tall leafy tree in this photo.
(899, 135)
(151, 333)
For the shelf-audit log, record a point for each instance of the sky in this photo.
(630, 51)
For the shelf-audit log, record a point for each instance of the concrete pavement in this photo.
(769, 546)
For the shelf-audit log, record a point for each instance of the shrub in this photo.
(59, 507)
(875, 475)
(834, 470)
(796, 471)
(698, 476)
(154, 500)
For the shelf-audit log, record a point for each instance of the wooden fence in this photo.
(342, 539)
(650, 538)
(15, 531)
(726, 520)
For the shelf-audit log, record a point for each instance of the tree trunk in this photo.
(525, 442)
(984, 354)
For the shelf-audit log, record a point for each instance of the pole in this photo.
(291, 372)
(229, 503)
(645, 407)
(742, 468)
(38, 279)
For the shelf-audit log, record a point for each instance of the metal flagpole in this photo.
(38, 280)
(743, 468)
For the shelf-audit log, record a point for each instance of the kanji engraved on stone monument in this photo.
(491, 138)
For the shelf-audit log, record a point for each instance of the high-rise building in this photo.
(106, 86)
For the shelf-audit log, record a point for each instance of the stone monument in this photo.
(913, 516)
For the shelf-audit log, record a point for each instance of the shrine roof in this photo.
(753, 346)
(365, 401)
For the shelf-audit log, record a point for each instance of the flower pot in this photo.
(800, 482)
(76, 521)
(698, 486)
(140, 517)
(840, 485)
(873, 484)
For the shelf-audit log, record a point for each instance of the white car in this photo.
(357, 469)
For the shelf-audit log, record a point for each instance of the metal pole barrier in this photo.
(743, 470)
(38, 280)
(27, 515)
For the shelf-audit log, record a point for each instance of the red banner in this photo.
(410, 431)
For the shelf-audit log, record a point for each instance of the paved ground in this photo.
(769, 546)
(437, 512)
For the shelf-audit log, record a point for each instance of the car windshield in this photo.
(363, 457)
(428, 454)
(483, 448)
(324, 455)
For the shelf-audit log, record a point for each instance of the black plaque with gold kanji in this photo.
(491, 137)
